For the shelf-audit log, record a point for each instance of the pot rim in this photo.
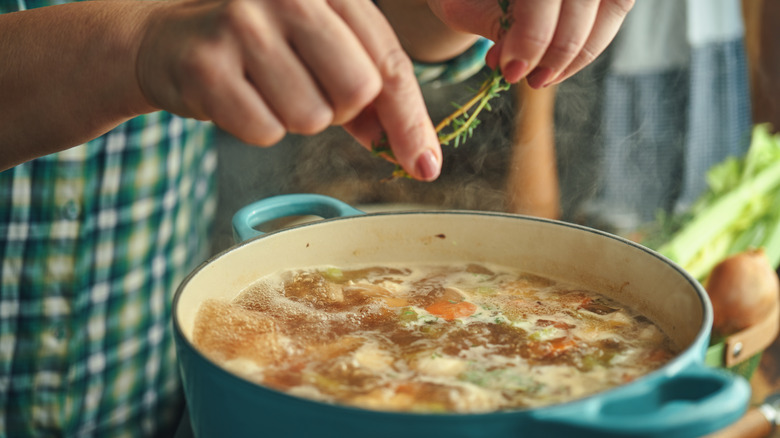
(679, 362)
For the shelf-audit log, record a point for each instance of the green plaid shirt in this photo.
(93, 242)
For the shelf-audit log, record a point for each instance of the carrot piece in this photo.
(659, 355)
(559, 345)
(551, 348)
(450, 310)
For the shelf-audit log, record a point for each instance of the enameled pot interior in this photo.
(627, 272)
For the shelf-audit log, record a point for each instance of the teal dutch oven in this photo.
(685, 398)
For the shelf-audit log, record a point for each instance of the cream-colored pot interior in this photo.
(628, 272)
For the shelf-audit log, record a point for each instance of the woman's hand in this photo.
(547, 41)
(262, 68)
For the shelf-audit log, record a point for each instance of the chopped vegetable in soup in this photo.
(472, 338)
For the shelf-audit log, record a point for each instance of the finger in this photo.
(531, 32)
(292, 94)
(215, 88)
(610, 16)
(409, 130)
(233, 103)
(279, 76)
(574, 26)
(400, 107)
(493, 54)
(366, 128)
(240, 112)
(336, 58)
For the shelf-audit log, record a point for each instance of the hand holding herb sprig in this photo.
(541, 42)
(461, 122)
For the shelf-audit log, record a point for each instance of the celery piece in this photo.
(485, 290)
(772, 241)
(408, 315)
(717, 218)
(738, 212)
(333, 274)
(702, 263)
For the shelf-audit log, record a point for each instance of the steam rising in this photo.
(333, 164)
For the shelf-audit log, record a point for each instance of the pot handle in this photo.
(698, 400)
(277, 207)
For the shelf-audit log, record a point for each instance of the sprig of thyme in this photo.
(461, 122)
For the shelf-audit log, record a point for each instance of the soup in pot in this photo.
(450, 339)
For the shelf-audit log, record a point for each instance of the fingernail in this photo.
(427, 166)
(540, 77)
(515, 70)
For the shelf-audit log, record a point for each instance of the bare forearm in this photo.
(70, 75)
(424, 36)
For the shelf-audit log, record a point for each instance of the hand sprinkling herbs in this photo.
(461, 123)
(459, 126)
(543, 43)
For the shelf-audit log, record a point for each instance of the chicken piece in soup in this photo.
(460, 339)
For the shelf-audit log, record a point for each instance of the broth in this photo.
(461, 339)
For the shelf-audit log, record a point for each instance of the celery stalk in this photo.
(706, 225)
(741, 210)
(772, 241)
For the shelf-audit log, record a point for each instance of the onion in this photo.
(743, 289)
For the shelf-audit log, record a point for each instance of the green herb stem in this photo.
(466, 106)
(488, 90)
